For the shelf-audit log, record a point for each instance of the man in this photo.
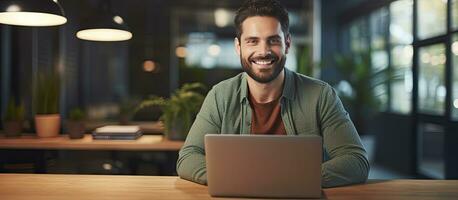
(269, 99)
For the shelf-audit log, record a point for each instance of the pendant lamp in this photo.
(31, 13)
(105, 26)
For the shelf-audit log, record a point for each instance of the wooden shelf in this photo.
(62, 142)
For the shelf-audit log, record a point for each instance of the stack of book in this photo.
(114, 132)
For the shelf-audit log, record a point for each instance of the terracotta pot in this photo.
(47, 125)
(75, 129)
(12, 128)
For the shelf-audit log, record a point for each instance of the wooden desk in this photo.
(145, 143)
(40, 186)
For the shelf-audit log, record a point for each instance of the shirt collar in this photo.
(288, 86)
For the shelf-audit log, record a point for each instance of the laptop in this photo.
(271, 166)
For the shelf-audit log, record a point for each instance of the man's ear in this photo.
(237, 45)
(287, 43)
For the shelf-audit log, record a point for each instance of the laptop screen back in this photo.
(263, 165)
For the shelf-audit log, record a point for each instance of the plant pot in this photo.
(47, 125)
(124, 120)
(75, 129)
(12, 128)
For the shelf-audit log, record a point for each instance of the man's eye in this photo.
(251, 41)
(275, 41)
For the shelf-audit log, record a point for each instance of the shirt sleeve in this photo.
(191, 163)
(348, 163)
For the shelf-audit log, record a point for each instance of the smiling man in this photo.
(267, 98)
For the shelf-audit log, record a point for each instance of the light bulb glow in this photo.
(455, 48)
(214, 50)
(222, 17)
(118, 19)
(31, 19)
(104, 35)
(13, 8)
(149, 66)
(181, 52)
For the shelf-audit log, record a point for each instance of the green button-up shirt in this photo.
(308, 107)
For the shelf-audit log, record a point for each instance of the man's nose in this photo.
(264, 49)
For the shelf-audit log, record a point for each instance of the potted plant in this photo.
(14, 117)
(357, 89)
(75, 125)
(179, 111)
(47, 118)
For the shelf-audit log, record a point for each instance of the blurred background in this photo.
(394, 63)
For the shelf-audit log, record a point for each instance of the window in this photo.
(401, 37)
(432, 18)
(431, 150)
(359, 36)
(379, 27)
(431, 80)
(434, 45)
(454, 14)
(207, 51)
(401, 22)
(455, 77)
(379, 56)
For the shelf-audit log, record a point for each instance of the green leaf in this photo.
(180, 109)
(77, 114)
(14, 112)
(47, 94)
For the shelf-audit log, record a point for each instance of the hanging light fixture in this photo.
(105, 26)
(31, 13)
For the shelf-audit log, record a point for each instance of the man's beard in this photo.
(265, 75)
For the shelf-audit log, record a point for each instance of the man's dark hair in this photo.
(270, 8)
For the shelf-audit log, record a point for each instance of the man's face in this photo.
(262, 48)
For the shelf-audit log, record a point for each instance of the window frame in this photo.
(446, 119)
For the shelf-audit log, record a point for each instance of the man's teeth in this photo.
(261, 62)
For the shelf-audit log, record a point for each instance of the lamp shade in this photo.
(31, 13)
(104, 27)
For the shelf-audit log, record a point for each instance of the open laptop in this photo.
(272, 166)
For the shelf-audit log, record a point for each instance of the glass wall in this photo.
(387, 34)
(431, 79)
(359, 36)
(431, 13)
(433, 46)
(431, 150)
(378, 22)
(401, 38)
(454, 4)
(455, 77)
(394, 49)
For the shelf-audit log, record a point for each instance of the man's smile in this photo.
(264, 62)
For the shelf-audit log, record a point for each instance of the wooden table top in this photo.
(62, 142)
(49, 187)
